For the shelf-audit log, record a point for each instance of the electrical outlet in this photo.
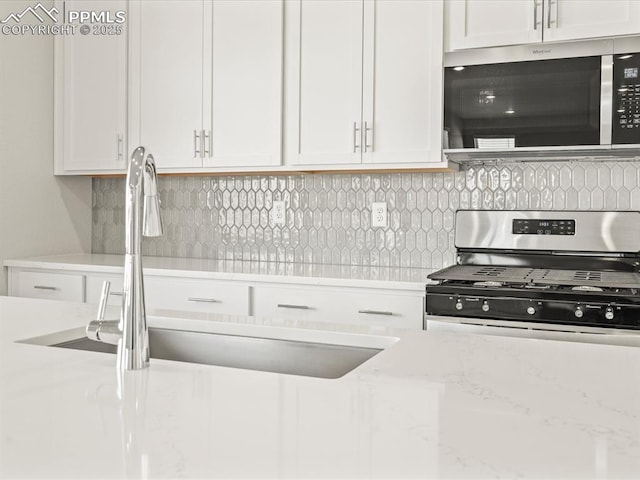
(379, 214)
(278, 212)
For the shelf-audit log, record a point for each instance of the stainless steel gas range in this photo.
(571, 275)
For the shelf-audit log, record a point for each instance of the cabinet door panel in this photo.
(245, 119)
(51, 286)
(569, 20)
(490, 23)
(167, 76)
(94, 96)
(328, 88)
(195, 295)
(403, 81)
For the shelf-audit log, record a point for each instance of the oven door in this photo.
(482, 326)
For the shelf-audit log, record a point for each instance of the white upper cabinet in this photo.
(569, 20)
(245, 117)
(91, 94)
(490, 23)
(327, 89)
(207, 82)
(368, 90)
(402, 110)
(167, 75)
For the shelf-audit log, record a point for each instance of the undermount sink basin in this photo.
(253, 353)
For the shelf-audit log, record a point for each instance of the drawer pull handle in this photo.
(44, 287)
(289, 305)
(375, 312)
(203, 300)
(116, 294)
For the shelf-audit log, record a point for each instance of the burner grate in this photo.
(490, 271)
(581, 275)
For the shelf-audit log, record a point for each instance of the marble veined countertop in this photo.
(242, 270)
(431, 405)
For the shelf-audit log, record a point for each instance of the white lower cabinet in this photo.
(355, 305)
(196, 295)
(363, 306)
(50, 286)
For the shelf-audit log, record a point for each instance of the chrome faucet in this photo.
(130, 333)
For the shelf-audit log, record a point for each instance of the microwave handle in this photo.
(606, 99)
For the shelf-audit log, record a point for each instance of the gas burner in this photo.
(488, 283)
(587, 288)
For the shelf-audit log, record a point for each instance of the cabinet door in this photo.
(91, 95)
(326, 93)
(490, 23)
(571, 20)
(167, 80)
(245, 116)
(402, 81)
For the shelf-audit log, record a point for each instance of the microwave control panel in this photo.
(626, 99)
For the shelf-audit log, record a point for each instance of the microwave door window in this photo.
(524, 104)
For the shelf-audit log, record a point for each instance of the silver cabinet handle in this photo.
(535, 14)
(104, 296)
(355, 137)
(116, 294)
(118, 147)
(196, 144)
(203, 300)
(290, 305)
(366, 137)
(375, 312)
(206, 134)
(549, 21)
(44, 287)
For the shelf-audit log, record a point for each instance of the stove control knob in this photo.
(531, 310)
(458, 305)
(608, 313)
(485, 306)
(578, 312)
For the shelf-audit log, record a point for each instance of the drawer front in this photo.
(340, 306)
(196, 295)
(52, 286)
(94, 288)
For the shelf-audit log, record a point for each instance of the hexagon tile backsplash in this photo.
(328, 216)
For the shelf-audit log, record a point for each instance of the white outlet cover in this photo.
(278, 212)
(379, 214)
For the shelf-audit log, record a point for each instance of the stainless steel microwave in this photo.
(543, 98)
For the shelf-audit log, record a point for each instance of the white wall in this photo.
(39, 214)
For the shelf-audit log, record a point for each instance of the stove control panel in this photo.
(556, 311)
(530, 226)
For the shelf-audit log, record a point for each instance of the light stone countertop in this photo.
(431, 405)
(241, 270)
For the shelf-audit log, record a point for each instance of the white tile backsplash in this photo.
(328, 215)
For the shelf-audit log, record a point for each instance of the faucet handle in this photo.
(104, 296)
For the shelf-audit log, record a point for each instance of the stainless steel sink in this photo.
(264, 354)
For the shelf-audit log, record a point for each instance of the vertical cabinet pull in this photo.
(549, 21)
(367, 129)
(119, 154)
(535, 14)
(206, 134)
(196, 144)
(356, 130)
